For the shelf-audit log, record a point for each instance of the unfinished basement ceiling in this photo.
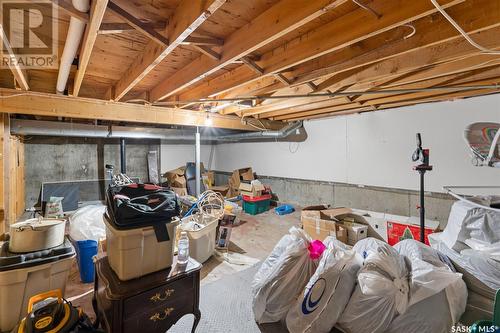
(178, 53)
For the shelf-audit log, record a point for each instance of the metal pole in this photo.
(197, 162)
(422, 208)
(123, 156)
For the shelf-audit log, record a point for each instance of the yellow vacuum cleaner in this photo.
(49, 313)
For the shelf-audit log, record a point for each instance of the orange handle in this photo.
(40, 297)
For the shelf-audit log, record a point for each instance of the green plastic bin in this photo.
(256, 205)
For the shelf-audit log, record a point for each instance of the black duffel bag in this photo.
(142, 205)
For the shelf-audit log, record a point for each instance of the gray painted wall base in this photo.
(386, 200)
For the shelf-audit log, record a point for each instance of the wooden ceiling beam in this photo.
(138, 25)
(120, 27)
(335, 36)
(51, 105)
(473, 15)
(206, 51)
(381, 100)
(19, 73)
(280, 19)
(339, 103)
(187, 17)
(97, 11)
(209, 41)
(71, 10)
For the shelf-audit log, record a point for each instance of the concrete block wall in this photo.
(386, 200)
(54, 159)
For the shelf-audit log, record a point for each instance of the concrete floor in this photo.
(251, 242)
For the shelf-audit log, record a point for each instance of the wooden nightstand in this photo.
(151, 303)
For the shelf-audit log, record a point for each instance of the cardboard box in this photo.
(239, 175)
(180, 191)
(208, 179)
(253, 189)
(223, 190)
(356, 225)
(319, 224)
(176, 177)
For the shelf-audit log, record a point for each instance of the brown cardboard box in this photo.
(209, 178)
(239, 175)
(251, 189)
(180, 191)
(176, 177)
(223, 190)
(320, 225)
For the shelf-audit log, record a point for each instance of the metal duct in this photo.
(55, 128)
(286, 131)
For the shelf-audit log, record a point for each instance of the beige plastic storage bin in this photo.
(18, 285)
(202, 241)
(136, 252)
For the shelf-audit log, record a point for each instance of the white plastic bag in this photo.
(88, 223)
(328, 291)
(282, 276)
(382, 292)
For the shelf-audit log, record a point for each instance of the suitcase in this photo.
(151, 303)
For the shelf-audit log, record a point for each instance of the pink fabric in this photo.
(316, 249)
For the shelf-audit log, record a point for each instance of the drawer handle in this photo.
(161, 316)
(158, 298)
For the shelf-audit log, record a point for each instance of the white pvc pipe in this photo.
(73, 39)
(198, 163)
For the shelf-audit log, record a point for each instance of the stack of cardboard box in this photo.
(322, 221)
(244, 174)
(251, 189)
(176, 180)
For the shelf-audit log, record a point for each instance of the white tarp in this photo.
(382, 292)
(282, 276)
(328, 291)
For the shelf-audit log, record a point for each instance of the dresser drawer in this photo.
(159, 319)
(158, 296)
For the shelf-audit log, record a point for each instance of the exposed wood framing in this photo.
(84, 108)
(285, 16)
(118, 28)
(96, 15)
(66, 6)
(189, 15)
(206, 51)
(19, 73)
(332, 36)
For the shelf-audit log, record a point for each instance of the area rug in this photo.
(226, 306)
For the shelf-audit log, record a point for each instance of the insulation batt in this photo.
(282, 276)
(323, 300)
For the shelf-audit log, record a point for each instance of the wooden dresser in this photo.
(152, 303)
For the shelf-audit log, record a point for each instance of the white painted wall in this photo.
(175, 155)
(375, 148)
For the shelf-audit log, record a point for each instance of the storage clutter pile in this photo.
(371, 287)
(141, 222)
(37, 258)
(471, 239)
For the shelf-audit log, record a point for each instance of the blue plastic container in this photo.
(284, 209)
(85, 251)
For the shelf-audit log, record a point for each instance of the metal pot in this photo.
(36, 235)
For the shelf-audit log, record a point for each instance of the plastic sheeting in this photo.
(328, 291)
(431, 276)
(480, 272)
(282, 276)
(88, 223)
(382, 292)
(477, 227)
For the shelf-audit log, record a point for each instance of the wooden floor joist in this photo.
(282, 18)
(189, 15)
(41, 104)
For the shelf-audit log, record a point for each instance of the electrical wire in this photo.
(412, 33)
(462, 32)
(14, 95)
